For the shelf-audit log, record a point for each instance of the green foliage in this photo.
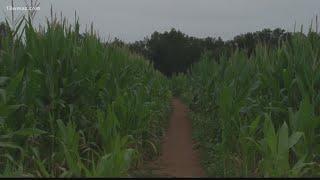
(72, 107)
(230, 96)
(275, 150)
(179, 84)
(174, 52)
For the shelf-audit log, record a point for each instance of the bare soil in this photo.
(178, 158)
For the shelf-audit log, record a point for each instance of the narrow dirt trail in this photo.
(178, 158)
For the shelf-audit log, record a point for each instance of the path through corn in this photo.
(178, 158)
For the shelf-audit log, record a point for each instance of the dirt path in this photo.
(178, 158)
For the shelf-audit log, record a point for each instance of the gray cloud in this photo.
(132, 20)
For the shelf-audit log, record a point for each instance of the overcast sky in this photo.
(132, 20)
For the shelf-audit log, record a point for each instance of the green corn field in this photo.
(72, 107)
(258, 116)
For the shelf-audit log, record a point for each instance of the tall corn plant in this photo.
(282, 82)
(100, 107)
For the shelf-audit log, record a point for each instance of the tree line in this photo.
(173, 51)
